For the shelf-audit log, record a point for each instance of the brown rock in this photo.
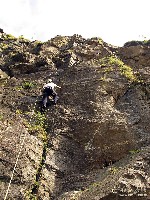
(88, 145)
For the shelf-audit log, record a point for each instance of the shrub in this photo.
(113, 61)
(23, 40)
(100, 41)
(9, 37)
(146, 42)
(39, 119)
(27, 85)
(127, 72)
(21, 37)
(3, 46)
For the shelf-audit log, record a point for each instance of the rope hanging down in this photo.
(15, 166)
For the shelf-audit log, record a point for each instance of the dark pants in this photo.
(46, 94)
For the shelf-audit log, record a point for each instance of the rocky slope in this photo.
(94, 144)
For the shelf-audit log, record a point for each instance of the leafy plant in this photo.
(3, 46)
(27, 85)
(112, 61)
(18, 88)
(37, 42)
(33, 129)
(36, 126)
(30, 196)
(9, 37)
(22, 39)
(134, 151)
(146, 42)
(1, 117)
(18, 111)
(136, 42)
(113, 170)
(39, 119)
(127, 72)
(108, 69)
(100, 41)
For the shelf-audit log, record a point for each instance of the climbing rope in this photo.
(21, 146)
(15, 166)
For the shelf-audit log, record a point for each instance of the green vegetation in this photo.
(127, 72)
(27, 85)
(22, 39)
(113, 170)
(39, 119)
(18, 111)
(100, 41)
(108, 69)
(36, 126)
(111, 62)
(103, 78)
(3, 46)
(136, 42)
(1, 117)
(33, 129)
(35, 122)
(135, 151)
(30, 196)
(146, 42)
(8, 37)
(18, 88)
(37, 42)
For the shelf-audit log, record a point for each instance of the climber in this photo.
(48, 90)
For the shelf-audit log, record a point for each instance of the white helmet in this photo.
(49, 80)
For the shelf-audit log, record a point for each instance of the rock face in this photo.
(94, 143)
